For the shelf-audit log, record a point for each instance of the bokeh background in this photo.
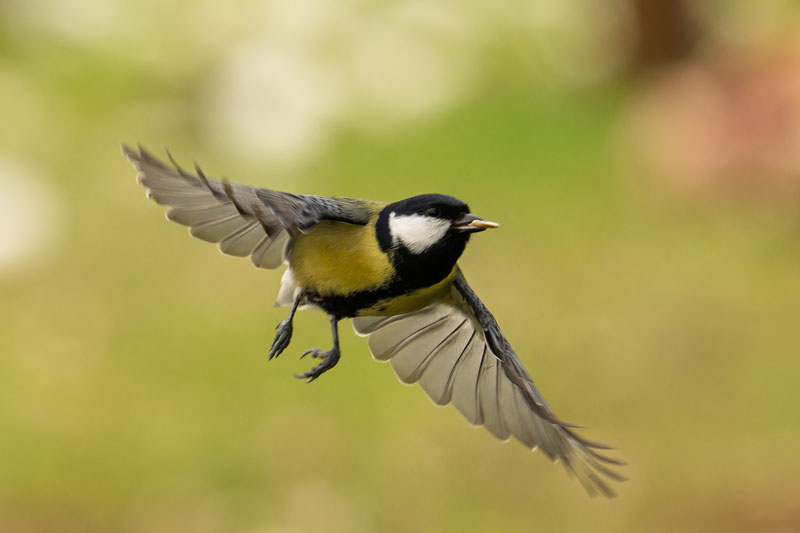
(643, 160)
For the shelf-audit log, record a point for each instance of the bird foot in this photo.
(329, 360)
(282, 338)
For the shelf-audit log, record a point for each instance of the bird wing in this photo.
(244, 220)
(457, 353)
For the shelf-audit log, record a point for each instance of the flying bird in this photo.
(392, 268)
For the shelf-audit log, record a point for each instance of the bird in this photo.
(391, 268)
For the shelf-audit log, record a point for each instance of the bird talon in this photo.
(282, 338)
(329, 360)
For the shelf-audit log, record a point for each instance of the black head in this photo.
(427, 232)
(438, 206)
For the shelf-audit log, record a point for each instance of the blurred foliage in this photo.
(135, 394)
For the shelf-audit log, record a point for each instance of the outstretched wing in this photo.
(244, 220)
(457, 353)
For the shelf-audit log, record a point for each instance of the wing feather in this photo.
(465, 382)
(196, 215)
(437, 380)
(488, 396)
(457, 360)
(241, 242)
(396, 330)
(217, 229)
(411, 359)
(270, 250)
(244, 220)
(508, 408)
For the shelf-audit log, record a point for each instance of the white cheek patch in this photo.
(417, 232)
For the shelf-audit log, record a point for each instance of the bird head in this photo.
(428, 228)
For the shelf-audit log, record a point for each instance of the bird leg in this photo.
(284, 334)
(329, 358)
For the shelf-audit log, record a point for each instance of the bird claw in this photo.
(329, 360)
(282, 338)
(316, 353)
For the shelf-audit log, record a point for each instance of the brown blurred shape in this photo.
(665, 33)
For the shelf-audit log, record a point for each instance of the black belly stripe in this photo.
(348, 305)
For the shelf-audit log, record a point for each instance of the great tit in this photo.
(392, 269)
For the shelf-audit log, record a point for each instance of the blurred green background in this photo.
(643, 162)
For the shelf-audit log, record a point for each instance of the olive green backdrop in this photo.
(135, 393)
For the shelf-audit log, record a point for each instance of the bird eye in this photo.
(433, 212)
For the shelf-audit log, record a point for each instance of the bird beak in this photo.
(472, 223)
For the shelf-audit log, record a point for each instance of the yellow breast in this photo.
(336, 258)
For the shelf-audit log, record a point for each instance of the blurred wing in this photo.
(447, 350)
(244, 220)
